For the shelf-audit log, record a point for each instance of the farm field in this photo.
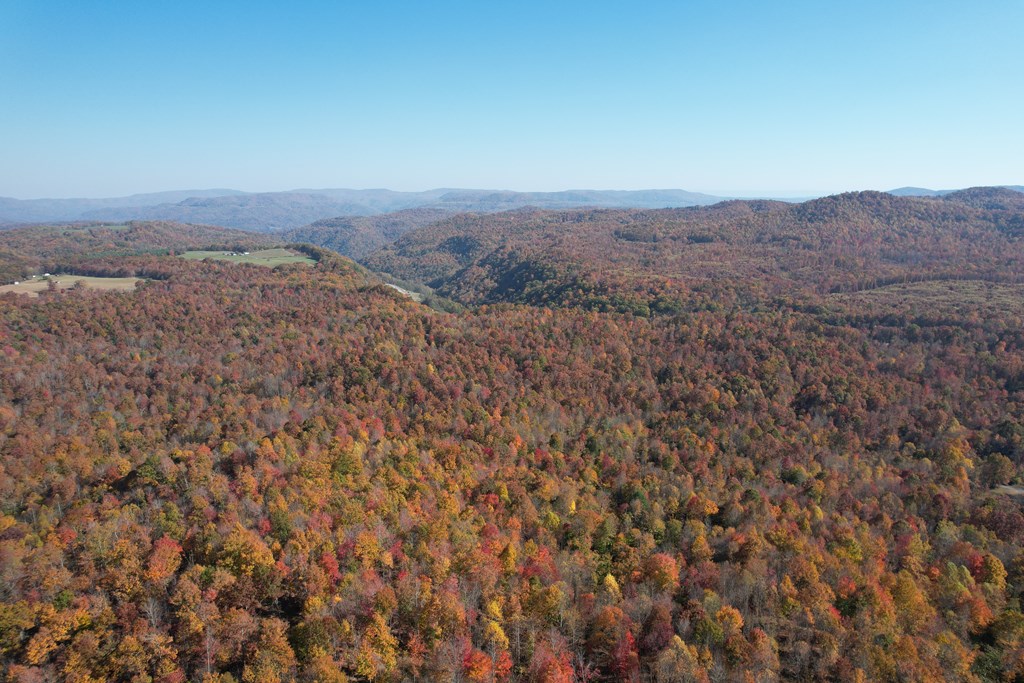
(38, 284)
(264, 257)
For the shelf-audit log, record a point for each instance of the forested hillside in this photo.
(27, 250)
(666, 260)
(359, 236)
(750, 442)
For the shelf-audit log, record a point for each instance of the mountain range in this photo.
(273, 211)
(269, 211)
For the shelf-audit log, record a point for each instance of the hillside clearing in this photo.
(41, 283)
(263, 257)
(415, 296)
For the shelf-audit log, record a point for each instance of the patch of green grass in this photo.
(263, 257)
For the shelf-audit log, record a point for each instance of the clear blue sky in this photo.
(105, 98)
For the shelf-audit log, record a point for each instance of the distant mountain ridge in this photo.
(74, 209)
(917, 192)
(268, 211)
(490, 200)
(925, 192)
(272, 211)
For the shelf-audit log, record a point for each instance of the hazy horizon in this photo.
(796, 194)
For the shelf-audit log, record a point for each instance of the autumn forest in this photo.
(755, 441)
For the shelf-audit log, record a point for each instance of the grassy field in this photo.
(264, 257)
(38, 284)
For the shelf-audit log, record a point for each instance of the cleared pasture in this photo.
(263, 257)
(34, 286)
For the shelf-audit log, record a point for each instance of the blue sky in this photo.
(106, 98)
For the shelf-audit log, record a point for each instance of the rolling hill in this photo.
(30, 249)
(992, 198)
(636, 258)
(925, 192)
